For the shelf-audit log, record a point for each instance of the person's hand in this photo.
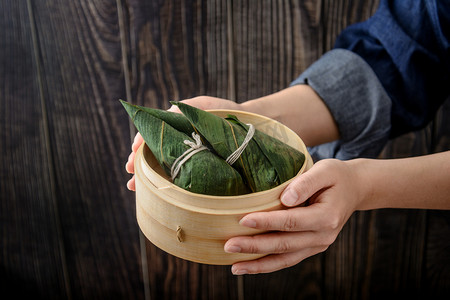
(330, 194)
(131, 184)
(202, 102)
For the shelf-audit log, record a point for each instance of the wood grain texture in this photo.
(68, 224)
(436, 278)
(336, 15)
(31, 254)
(80, 54)
(177, 50)
(274, 41)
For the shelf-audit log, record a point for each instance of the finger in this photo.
(279, 242)
(131, 184)
(129, 167)
(308, 218)
(307, 184)
(137, 142)
(272, 263)
(174, 109)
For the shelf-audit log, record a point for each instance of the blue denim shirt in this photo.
(398, 61)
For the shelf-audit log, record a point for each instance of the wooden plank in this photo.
(398, 256)
(276, 40)
(174, 278)
(302, 281)
(437, 259)
(32, 263)
(178, 50)
(441, 129)
(270, 39)
(336, 15)
(347, 263)
(436, 283)
(80, 55)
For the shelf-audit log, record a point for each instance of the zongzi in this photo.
(224, 155)
(203, 173)
(266, 161)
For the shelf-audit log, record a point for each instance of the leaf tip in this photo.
(124, 103)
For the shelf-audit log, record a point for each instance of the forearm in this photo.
(419, 182)
(301, 109)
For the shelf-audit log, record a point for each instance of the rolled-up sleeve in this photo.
(357, 101)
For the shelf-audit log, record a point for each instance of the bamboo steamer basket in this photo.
(194, 226)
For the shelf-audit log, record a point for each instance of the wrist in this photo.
(363, 183)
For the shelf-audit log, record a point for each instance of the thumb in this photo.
(307, 184)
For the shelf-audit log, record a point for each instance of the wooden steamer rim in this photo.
(196, 226)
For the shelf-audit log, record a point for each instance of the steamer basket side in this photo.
(166, 212)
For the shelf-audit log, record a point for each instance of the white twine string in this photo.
(195, 148)
(236, 154)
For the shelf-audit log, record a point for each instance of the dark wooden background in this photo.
(68, 228)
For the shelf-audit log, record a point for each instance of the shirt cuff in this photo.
(357, 101)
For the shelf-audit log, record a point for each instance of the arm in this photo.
(419, 182)
(300, 108)
(335, 189)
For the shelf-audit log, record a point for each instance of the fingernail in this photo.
(248, 223)
(289, 197)
(236, 271)
(232, 249)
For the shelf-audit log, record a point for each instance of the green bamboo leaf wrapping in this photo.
(286, 160)
(203, 173)
(177, 121)
(264, 164)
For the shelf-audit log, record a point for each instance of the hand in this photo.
(202, 102)
(129, 167)
(329, 190)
